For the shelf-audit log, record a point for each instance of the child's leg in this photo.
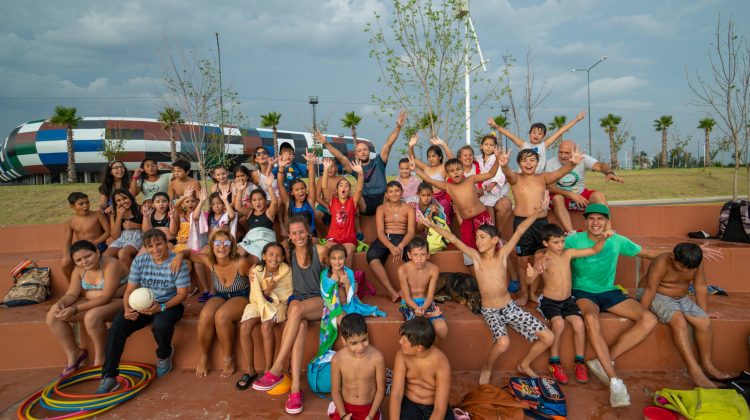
(704, 341)
(503, 211)
(206, 333)
(127, 254)
(557, 324)
(579, 333)
(224, 319)
(544, 340)
(561, 212)
(269, 343)
(376, 255)
(350, 250)
(526, 286)
(441, 327)
(67, 265)
(95, 320)
(64, 334)
(246, 343)
(111, 252)
(681, 339)
(497, 349)
(297, 352)
(201, 276)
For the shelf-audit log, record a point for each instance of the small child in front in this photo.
(418, 279)
(664, 290)
(86, 225)
(557, 305)
(498, 309)
(357, 374)
(425, 394)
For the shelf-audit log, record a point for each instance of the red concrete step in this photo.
(33, 343)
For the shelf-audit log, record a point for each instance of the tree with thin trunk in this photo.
(170, 118)
(610, 123)
(272, 119)
(66, 117)
(707, 124)
(351, 120)
(662, 124)
(558, 121)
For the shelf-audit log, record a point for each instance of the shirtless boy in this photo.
(418, 279)
(421, 375)
(357, 374)
(394, 221)
(180, 170)
(463, 191)
(322, 211)
(528, 188)
(498, 309)
(557, 305)
(664, 290)
(91, 226)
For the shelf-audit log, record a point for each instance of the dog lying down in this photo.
(458, 287)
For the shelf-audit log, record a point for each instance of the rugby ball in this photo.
(141, 298)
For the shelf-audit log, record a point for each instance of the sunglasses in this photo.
(261, 153)
(225, 242)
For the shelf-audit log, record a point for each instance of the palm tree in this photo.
(66, 117)
(272, 120)
(558, 121)
(707, 124)
(502, 122)
(610, 124)
(351, 120)
(170, 119)
(662, 124)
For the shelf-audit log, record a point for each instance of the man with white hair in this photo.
(569, 192)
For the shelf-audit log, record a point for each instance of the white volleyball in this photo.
(141, 298)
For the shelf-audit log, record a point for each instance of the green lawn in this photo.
(31, 204)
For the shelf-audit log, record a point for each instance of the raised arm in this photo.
(426, 178)
(443, 145)
(273, 207)
(147, 212)
(357, 167)
(516, 140)
(560, 131)
(224, 195)
(511, 177)
(311, 169)
(325, 201)
(471, 252)
(134, 188)
(199, 207)
(283, 194)
(386, 150)
(334, 151)
(481, 177)
(412, 142)
(238, 192)
(597, 248)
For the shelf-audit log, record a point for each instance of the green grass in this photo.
(31, 204)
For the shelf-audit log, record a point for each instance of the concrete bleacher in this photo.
(33, 346)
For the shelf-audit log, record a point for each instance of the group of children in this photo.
(288, 280)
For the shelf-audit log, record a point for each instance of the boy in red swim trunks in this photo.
(463, 191)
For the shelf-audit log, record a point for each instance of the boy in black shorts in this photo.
(557, 305)
(394, 222)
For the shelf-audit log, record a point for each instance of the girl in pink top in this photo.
(343, 210)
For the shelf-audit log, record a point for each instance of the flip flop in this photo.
(245, 381)
(72, 368)
(204, 297)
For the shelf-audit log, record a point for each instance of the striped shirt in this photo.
(159, 277)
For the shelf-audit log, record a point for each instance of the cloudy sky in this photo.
(106, 57)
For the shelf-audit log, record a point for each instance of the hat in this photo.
(596, 208)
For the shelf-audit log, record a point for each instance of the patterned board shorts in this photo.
(525, 323)
(665, 306)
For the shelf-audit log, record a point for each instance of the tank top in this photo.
(342, 221)
(159, 223)
(240, 283)
(261, 220)
(137, 217)
(150, 188)
(306, 281)
(307, 211)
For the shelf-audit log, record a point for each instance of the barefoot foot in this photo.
(202, 369)
(228, 369)
(484, 377)
(522, 300)
(526, 370)
(714, 373)
(395, 296)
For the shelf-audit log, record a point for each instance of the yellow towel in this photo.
(704, 404)
(259, 307)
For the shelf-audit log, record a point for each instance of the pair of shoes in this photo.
(267, 382)
(596, 368)
(164, 366)
(204, 297)
(558, 373)
(245, 381)
(582, 375)
(294, 404)
(107, 386)
(618, 393)
(74, 367)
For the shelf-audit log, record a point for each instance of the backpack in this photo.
(29, 287)
(734, 221)
(436, 242)
(543, 397)
(364, 287)
(490, 402)
(319, 374)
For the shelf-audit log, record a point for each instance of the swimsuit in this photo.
(358, 412)
(531, 240)
(307, 211)
(240, 285)
(100, 286)
(408, 312)
(378, 251)
(470, 226)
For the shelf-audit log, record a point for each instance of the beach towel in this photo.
(275, 305)
(704, 404)
(198, 236)
(257, 238)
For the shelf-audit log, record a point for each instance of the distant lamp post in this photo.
(505, 109)
(588, 91)
(314, 102)
(632, 138)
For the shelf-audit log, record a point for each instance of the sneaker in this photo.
(267, 382)
(164, 366)
(582, 374)
(294, 404)
(596, 368)
(558, 373)
(618, 393)
(107, 385)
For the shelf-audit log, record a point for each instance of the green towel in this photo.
(704, 404)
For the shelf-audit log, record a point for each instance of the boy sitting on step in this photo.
(357, 374)
(86, 225)
(418, 280)
(557, 305)
(498, 309)
(425, 394)
(664, 289)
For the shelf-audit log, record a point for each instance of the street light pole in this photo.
(588, 92)
(632, 138)
(314, 101)
(505, 109)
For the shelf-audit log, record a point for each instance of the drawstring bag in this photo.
(31, 286)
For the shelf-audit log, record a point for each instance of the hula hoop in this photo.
(133, 378)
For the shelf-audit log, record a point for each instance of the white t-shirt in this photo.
(499, 190)
(541, 149)
(573, 180)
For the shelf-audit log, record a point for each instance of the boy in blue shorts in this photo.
(418, 279)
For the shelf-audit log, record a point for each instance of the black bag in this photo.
(734, 221)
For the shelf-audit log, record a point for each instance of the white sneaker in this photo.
(596, 368)
(618, 393)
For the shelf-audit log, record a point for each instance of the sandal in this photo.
(245, 381)
(204, 297)
(72, 368)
